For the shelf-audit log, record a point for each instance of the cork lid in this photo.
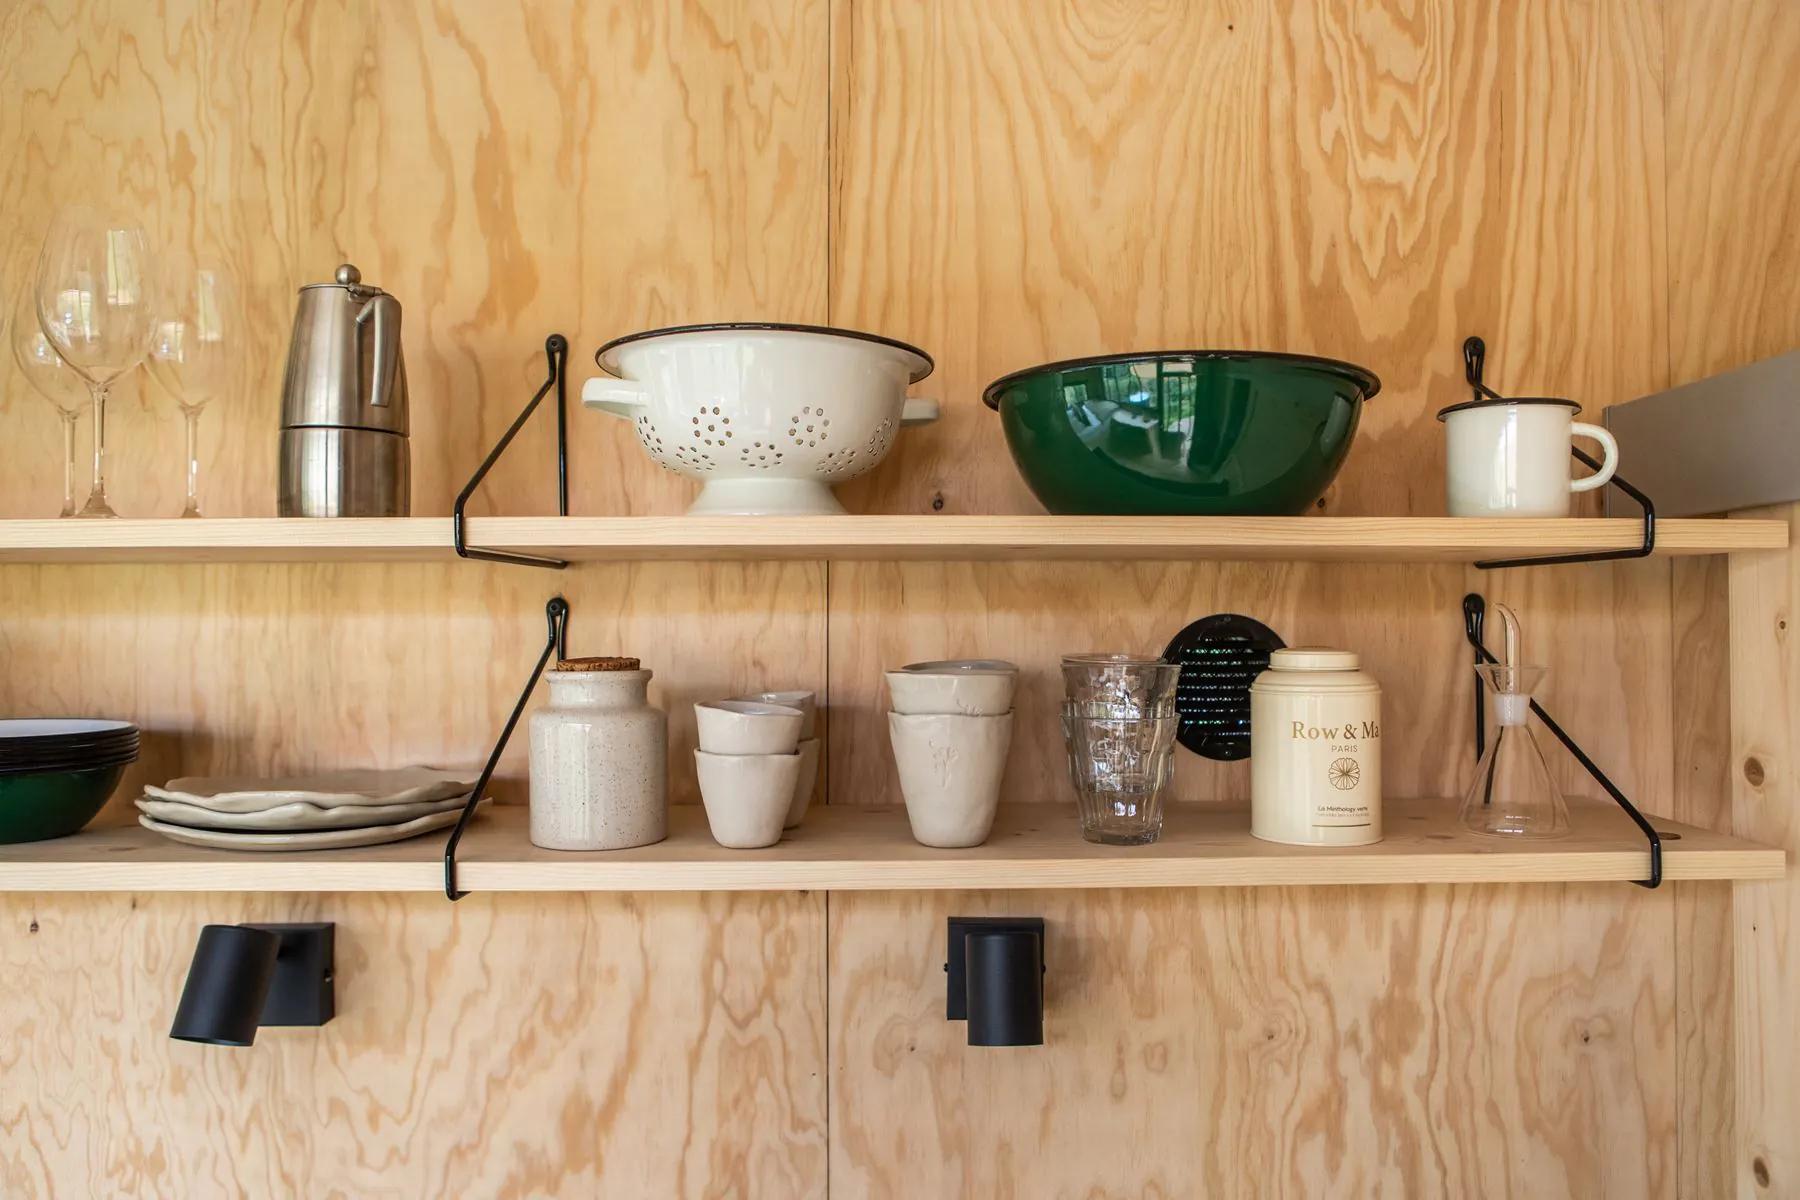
(596, 664)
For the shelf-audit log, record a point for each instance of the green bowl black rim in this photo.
(74, 769)
(1371, 382)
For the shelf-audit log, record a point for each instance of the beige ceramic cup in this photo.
(950, 771)
(748, 727)
(976, 687)
(804, 783)
(747, 796)
(806, 702)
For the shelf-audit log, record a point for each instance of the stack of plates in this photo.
(40, 747)
(307, 812)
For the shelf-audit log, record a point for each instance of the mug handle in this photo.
(1609, 462)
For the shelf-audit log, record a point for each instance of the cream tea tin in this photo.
(1315, 750)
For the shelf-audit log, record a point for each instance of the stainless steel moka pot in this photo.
(343, 405)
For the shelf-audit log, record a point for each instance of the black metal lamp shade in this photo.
(995, 971)
(244, 976)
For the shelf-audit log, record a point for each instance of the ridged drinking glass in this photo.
(1120, 770)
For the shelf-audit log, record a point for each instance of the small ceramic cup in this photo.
(1510, 458)
(806, 702)
(967, 687)
(748, 727)
(804, 784)
(747, 796)
(950, 771)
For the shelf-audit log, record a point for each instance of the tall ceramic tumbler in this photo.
(599, 759)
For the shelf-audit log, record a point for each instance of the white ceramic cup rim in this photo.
(751, 708)
(959, 666)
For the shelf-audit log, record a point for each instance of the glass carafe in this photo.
(1513, 794)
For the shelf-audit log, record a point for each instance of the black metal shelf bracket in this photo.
(556, 352)
(1474, 616)
(1474, 363)
(556, 642)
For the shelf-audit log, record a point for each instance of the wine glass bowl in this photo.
(193, 351)
(96, 307)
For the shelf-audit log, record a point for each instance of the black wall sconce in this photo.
(244, 976)
(995, 972)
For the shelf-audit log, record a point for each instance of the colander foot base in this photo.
(763, 498)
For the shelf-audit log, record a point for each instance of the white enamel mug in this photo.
(1510, 458)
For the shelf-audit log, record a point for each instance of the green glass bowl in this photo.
(1182, 433)
(54, 804)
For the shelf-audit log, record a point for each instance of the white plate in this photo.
(325, 789)
(331, 839)
(294, 818)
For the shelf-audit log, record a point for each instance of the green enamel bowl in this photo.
(1207, 433)
(53, 804)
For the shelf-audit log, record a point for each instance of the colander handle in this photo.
(918, 412)
(620, 397)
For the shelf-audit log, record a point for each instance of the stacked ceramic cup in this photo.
(750, 764)
(808, 749)
(1119, 722)
(951, 726)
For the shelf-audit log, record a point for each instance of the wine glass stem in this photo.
(193, 462)
(68, 432)
(96, 505)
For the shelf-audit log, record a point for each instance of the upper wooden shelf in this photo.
(936, 538)
(851, 849)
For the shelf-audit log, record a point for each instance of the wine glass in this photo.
(192, 351)
(52, 378)
(96, 305)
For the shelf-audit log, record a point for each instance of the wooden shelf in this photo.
(937, 538)
(850, 849)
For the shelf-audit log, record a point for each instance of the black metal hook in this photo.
(1474, 364)
(556, 642)
(1474, 609)
(1474, 622)
(556, 352)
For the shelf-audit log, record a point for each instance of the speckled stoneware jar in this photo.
(599, 759)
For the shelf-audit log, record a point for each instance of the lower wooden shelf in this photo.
(850, 849)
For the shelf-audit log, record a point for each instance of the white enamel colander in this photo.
(766, 417)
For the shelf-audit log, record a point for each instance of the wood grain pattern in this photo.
(878, 538)
(523, 1047)
(1426, 1041)
(846, 848)
(284, 668)
(1003, 183)
(1765, 706)
(1405, 621)
(1733, 175)
(1016, 182)
(1704, 1026)
(1014, 185)
(593, 168)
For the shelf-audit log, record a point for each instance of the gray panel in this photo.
(1728, 442)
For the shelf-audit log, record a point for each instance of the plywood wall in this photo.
(1003, 183)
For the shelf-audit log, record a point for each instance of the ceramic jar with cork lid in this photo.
(1315, 750)
(599, 759)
